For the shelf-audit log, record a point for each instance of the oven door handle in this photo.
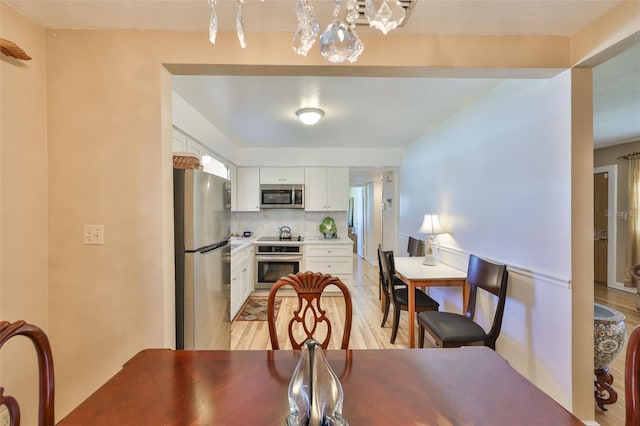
(278, 258)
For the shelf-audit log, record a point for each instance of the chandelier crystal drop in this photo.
(213, 22)
(339, 42)
(240, 24)
(386, 16)
(308, 28)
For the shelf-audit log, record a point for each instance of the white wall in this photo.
(499, 175)
(267, 222)
(185, 116)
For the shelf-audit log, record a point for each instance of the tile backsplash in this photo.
(267, 222)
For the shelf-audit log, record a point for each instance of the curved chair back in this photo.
(309, 315)
(415, 247)
(632, 379)
(45, 371)
(381, 284)
(388, 267)
(490, 277)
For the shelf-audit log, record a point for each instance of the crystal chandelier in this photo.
(339, 42)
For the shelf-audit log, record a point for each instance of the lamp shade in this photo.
(430, 225)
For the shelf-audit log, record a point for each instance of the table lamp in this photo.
(431, 226)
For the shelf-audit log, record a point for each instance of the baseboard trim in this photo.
(621, 287)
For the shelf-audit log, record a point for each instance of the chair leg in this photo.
(386, 311)
(396, 320)
(420, 334)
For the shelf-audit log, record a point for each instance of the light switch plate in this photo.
(93, 234)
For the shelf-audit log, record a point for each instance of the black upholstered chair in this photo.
(399, 296)
(451, 330)
(415, 247)
(396, 281)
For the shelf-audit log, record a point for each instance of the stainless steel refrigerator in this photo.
(202, 259)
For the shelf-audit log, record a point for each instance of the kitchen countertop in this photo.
(238, 243)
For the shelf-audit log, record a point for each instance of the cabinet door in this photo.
(248, 283)
(281, 175)
(293, 175)
(236, 292)
(315, 186)
(179, 141)
(338, 188)
(248, 189)
(270, 175)
(233, 178)
(195, 147)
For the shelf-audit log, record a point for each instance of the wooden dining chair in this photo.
(451, 330)
(381, 287)
(309, 319)
(399, 296)
(415, 247)
(45, 372)
(632, 379)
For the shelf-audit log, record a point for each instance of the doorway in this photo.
(605, 229)
(600, 226)
(356, 219)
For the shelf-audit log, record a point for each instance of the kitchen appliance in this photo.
(282, 196)
(285, 233)
(276, 258)
(202, 259)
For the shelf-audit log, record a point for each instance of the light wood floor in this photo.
(366, 332)
(624, 302)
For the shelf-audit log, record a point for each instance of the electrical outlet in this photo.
(93, 234)
(5, 419)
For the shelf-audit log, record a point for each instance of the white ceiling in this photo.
(369, 112)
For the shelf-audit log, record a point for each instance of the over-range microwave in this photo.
(282, 196)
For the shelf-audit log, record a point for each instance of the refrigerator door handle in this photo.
(211, 247)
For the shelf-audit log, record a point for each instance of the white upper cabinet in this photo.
(233, 178)
(326, 189)
(247, 189)
(282, 175)
(179, 141)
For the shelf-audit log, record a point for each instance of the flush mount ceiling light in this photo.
(310, 116)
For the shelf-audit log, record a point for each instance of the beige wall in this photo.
(581, 240)
(109, 163)
(606, 157)
(23, 204)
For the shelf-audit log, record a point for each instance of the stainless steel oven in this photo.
(274, 260)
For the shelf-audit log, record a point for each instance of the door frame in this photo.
(612, 225)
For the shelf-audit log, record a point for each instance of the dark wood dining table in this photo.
(465, 386)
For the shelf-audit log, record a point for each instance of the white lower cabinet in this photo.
(334, 259)
(241, 278)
